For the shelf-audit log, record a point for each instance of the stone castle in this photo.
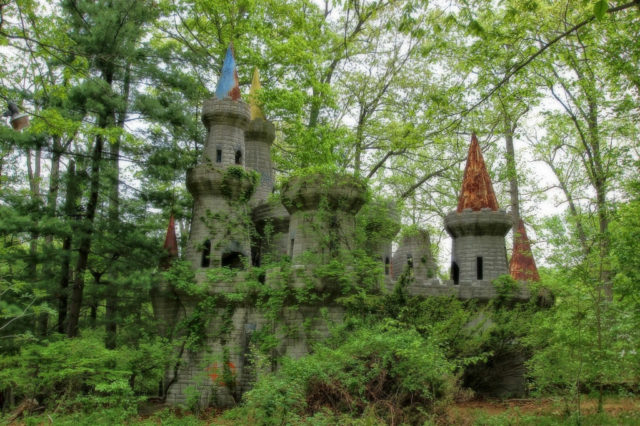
(237, 223)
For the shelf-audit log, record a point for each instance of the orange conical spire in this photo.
(170, 244)
(477, 191)
(522, 266)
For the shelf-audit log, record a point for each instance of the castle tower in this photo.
(322, 209)
(270, 218)
(414, 252)
(258, 139)
(522, 266)
(478, 226)
(219, 184)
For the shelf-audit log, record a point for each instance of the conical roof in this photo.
(477, 191)
(254, 104)
(228, 86)
(170, 243)
(522, 266)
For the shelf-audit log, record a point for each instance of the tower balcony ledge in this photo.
(340, 192)
(225, 111)
(478, 222)
(233, 182)
(262, 130)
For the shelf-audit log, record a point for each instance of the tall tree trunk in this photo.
(86, 234)
(70, 211)
(52, 201)
(111, 325)
(509, 129)
(34, 172)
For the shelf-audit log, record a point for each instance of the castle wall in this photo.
(201, 373)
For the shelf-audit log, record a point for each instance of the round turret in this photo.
(226, 121)
(323, 209)
(478, 248)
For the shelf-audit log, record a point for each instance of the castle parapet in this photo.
(343, 193)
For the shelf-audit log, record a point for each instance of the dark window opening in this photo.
(334, 232)
(291, 247)
(386, 266)
(255, 256)
(410, 261)
(233, 260)
(206, 254)
(455, 273)
(218, 156)
(479, 267)
(238, 157)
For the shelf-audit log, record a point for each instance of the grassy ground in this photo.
(617, 411)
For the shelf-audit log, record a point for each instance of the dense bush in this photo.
(390, 371)
(81, 374)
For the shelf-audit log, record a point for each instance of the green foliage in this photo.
(80, 374)
(388, 366)
(239, 184)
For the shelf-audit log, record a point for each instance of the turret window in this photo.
(386, 265)
(479, 271)
(455, 273)
(206, 254)
(238, 157)
(218, 156)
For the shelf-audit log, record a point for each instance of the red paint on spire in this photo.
(170, 244)
(477, 191)
(522, 266)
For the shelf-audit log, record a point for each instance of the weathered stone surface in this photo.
(414, 252)
(258, 139)
(478, 246)
(340, 192)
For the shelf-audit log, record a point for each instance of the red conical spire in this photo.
(477, 191)
(522, 266)
(170, 243)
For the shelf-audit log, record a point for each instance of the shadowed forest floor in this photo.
(617, 411)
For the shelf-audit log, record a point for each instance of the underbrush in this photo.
(385, 373)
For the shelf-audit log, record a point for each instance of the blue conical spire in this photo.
(228, 87)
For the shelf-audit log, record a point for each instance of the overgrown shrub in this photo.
(390, 371)
(81, 374)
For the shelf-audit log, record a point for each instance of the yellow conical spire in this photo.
(256, 112)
